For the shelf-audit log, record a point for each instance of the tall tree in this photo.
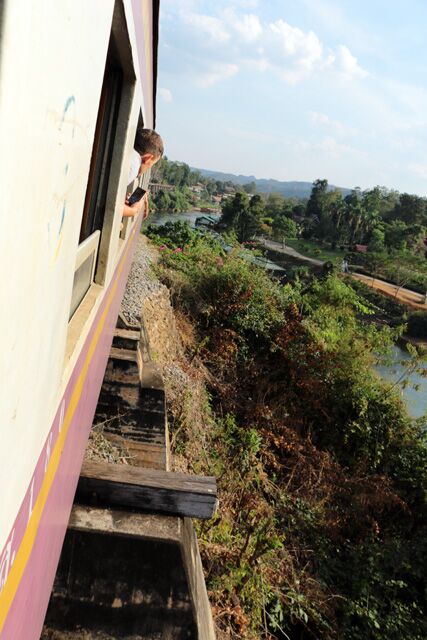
(249, 220)
(395, 235)
(274, 204)
(233, 208)
(250, 187)
(316, 202)
(284, 227)
(411, 209)
(163, 201)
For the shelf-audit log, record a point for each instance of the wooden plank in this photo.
(135, 476)
(147, 455)
(147, 489)
(125, 523)
(126, 339)
(129, 355)
(130, 334)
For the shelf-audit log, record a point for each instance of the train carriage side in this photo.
(76, 78)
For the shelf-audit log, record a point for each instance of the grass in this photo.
(315, 250)
(207, 203)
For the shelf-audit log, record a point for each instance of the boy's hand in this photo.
(131, 210)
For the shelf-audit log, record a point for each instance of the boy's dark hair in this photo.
(148, 141)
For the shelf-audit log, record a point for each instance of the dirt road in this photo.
(278, 246)
(405, 296)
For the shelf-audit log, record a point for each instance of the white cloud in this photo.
(319, 118)
(306, 47)
(261, 64)
(212, 30)
(248, 27)
(346, 64)
(165, 94)
(247, 4)
(334, 148)
(324, 121)
(296, 54)
(216, 73)
(328, 146)
(335, 17)
(233, 40)
(404, 144)
(293, 52)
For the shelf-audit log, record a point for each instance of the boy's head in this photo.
(149, 145)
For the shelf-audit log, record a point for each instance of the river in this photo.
(415, 400)
(185, 216)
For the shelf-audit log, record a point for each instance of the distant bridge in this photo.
(155, 187)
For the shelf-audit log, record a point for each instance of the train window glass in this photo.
(81, 284)
(103, 146)
(84, 270)
(96, 192)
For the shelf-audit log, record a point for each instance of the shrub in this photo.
(417, 325)
(321, 472)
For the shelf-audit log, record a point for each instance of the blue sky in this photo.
(297, 89)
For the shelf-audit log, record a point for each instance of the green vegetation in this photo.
(243, 216)
(315, 250)
(403, 268)
(417, 325)
(191, 189)
(382, 232)
(250, 216)
(385, 309)
(322, 474)
(391, 227)
(172, 201)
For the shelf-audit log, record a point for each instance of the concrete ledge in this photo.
(199, 596)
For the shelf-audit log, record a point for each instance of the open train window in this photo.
(96, 193)
(105, 166)
(141, 181)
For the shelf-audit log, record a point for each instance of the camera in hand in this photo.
(136, 196)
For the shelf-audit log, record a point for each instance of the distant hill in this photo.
(291, 189)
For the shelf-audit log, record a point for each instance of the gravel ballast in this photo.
(141, 282)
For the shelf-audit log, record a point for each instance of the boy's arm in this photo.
(146, 206)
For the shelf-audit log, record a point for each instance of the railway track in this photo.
(130, 566)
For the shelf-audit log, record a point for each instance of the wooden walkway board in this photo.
(147, 489)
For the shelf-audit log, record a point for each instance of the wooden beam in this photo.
(147, 489)
(125, 523)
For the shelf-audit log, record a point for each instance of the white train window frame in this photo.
(100, 242)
